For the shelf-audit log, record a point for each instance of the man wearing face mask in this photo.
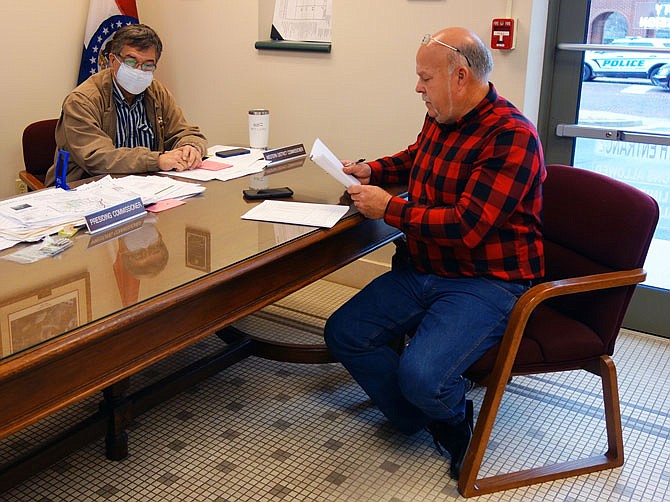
(121, 120)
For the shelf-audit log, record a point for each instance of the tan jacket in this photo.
(87, 128)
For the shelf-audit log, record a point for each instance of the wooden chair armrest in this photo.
(581, 284)
(31, 181)
(535, 295)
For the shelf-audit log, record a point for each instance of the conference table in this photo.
(116, 302)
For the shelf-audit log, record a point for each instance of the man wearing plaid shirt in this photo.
(472, 223)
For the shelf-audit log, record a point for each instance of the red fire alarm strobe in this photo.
(503, 33)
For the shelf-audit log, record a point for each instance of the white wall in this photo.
(42, 43)
(359, 99)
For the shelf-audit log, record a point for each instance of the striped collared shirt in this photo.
(132, 123)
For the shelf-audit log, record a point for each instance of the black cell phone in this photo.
(232, 152)
(267, 193)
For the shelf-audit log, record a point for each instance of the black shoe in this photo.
(455, 438)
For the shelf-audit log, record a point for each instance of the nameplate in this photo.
(278, 156)
(115, 232)
(114, 215)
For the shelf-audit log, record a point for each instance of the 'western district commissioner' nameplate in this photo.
(114, 215)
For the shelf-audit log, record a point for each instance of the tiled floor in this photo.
(268, 431)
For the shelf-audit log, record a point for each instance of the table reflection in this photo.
(104, 273)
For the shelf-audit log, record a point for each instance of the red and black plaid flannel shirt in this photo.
(475, 194)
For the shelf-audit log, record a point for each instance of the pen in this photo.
(354, 162)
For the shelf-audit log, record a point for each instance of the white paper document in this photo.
(327, 161)
(32, 216)
(6, 243)
(297, 213)
(35, 215)
(150, 189)
(303, 20)
(235, 167)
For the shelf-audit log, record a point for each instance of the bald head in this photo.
(453, 66)
(469, 50)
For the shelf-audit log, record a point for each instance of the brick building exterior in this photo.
(618, 18)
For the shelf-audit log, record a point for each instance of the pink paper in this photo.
(162, 205)
(212, 165)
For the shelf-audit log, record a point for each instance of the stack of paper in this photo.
(327, 161)
(150, 189)
(38, 214)
(216, 168)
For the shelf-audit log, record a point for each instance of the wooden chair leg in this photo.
(612, 411)
(469, 485)
(485, 420)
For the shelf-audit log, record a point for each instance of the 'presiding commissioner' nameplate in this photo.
(114, 215)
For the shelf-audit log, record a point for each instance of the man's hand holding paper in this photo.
(370, 200)
(327, 160)
(359, 170)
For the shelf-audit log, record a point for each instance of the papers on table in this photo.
(327, 161)
(44, 212)
(297, 213)
(164, 205)
(6, 243)
(150, 188)
(232, 167)
(37, 214)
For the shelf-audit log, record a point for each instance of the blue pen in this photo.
(61, 169)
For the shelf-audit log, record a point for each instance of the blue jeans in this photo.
(455, 320)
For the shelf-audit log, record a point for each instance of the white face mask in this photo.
(133, 80)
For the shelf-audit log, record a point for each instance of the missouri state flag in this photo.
(104, 18)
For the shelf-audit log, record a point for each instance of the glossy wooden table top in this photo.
(105, 273)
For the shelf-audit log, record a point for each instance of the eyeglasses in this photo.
(132, 62)
(427, 38)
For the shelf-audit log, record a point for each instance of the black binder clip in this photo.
(61, 169)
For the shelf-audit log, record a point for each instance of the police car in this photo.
(662, 77)
(625, 63)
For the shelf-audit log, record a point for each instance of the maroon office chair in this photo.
(597, 232)
(39, 149)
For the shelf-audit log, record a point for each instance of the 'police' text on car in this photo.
(626, 63)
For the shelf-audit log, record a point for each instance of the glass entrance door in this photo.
(621, 68)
